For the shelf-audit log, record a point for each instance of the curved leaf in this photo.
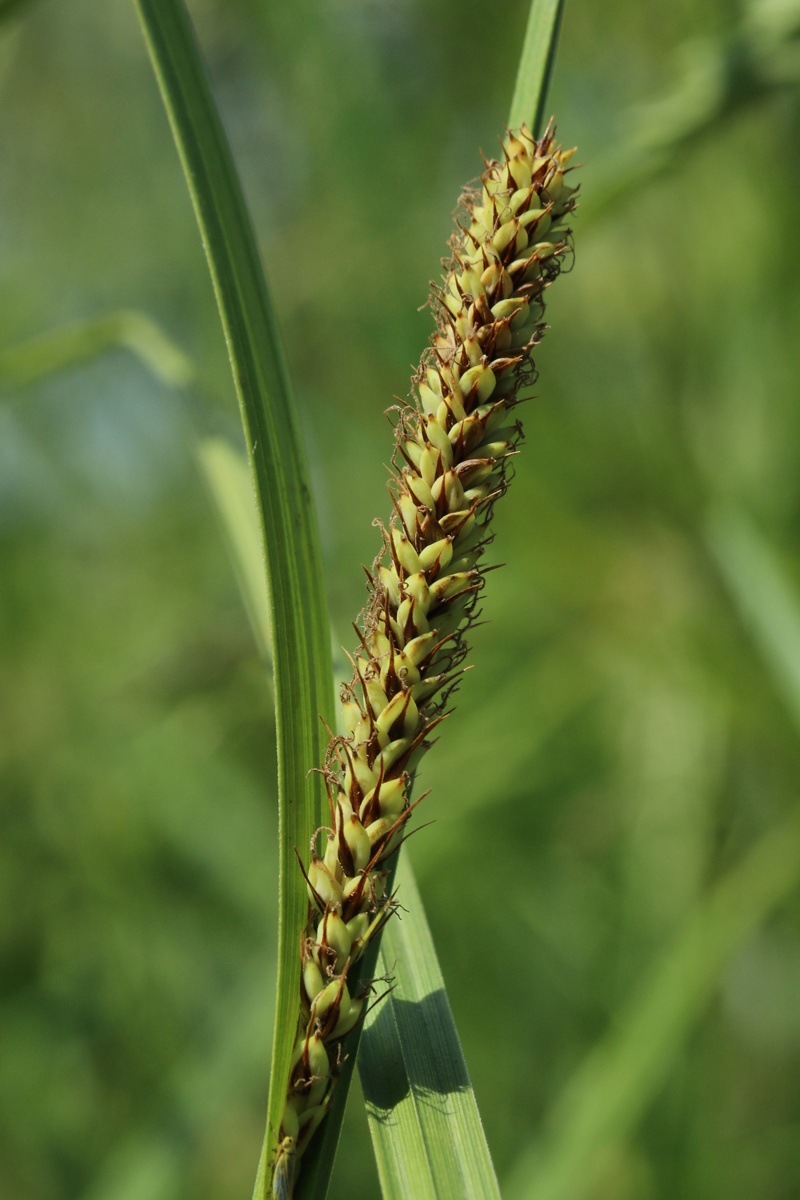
(301, 645)
(59, 349)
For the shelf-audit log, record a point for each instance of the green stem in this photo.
(536, 65)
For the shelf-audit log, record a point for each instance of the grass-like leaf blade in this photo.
(301, 644)
(426, 1128)
(536, 64)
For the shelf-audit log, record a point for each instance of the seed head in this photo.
(453, 445)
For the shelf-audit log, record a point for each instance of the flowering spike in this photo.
(453, 443)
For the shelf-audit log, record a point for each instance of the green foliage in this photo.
(536, 65)
(424, 1121)
(638, 739)
(301, 657)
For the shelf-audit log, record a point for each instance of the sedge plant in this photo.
(387, 703)
(453, 447)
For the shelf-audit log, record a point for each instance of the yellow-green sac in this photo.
(454, 441)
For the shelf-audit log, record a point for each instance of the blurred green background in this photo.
(631, 727)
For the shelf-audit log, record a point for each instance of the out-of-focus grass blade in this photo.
(536, 64)
(71, 345)
(426, 1129)
(608, 1094)
(767, 601)
(229, 483)
(720, 77)
(301, 645)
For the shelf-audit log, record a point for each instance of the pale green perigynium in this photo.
(453, 446)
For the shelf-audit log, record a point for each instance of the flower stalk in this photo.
(454, 443)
